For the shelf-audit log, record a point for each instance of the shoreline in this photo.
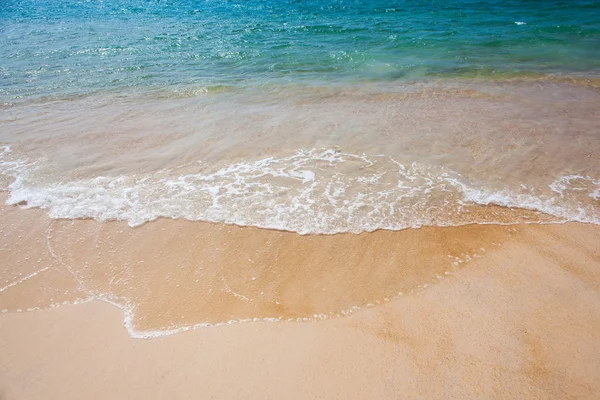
(173, 275)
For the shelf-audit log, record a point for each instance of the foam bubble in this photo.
(318, 191)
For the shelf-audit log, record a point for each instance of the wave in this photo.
(317, 191)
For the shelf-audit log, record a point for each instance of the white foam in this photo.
(12, 167)
(309, 192)
(25, 278)
(563, 186)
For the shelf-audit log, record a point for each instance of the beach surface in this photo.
(519, 320)
(299, 199)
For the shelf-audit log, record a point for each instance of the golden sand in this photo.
(523, 321)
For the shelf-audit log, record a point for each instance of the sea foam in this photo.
(317, 191)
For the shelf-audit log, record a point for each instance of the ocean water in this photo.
(317, 117)
(67, 49)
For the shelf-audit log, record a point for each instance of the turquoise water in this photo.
(57, 49)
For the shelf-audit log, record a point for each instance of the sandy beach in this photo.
(518, 320)
(299, 199)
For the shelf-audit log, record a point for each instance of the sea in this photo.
(317, 117)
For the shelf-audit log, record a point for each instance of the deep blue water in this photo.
(66, 48)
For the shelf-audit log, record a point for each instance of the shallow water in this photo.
(315, 160)
(314, 117)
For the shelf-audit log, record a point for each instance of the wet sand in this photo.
(519, 320)
(173, 275)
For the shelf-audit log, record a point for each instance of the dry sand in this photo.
(518, 318)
